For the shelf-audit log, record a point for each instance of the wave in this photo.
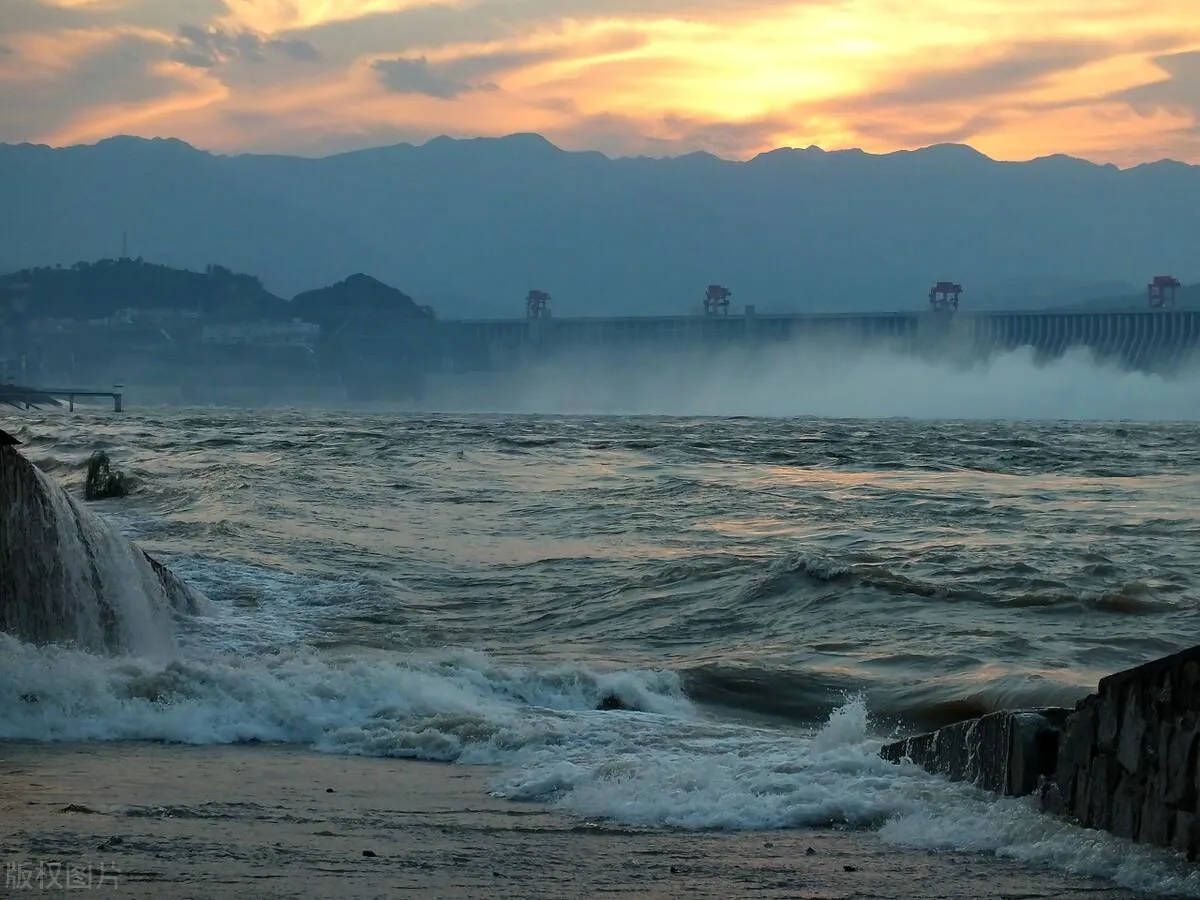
(428, 707)
(807, 697)
(662, 762)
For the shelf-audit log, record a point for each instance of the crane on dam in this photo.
(537, 305)
(1160, 292)
(716, 300)
(944, 296)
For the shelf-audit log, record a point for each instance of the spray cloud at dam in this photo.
(831, 376)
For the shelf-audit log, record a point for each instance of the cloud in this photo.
(1017, 67)
(471, 70)
(1180, 90)
(417, 76)
(26, 16)
(1115, 79)
(97, 72)
(209, 47)
(619, 134)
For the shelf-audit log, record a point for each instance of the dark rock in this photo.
(65, 575)
(102, 482)
(7, 440)
(1128, 756)
(370, 853)
(612, 701)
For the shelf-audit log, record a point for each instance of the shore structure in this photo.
(1123, 760)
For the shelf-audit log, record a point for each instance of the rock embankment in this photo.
(1127, 758)
(1124, 760)
(67, 576)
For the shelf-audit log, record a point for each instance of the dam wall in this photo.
(67, 576)
(1125, 760)
(1139, 339)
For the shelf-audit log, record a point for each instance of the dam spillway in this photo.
(1151, 340)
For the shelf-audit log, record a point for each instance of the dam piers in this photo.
(1149, 340)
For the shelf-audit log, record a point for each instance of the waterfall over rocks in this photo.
(67, 576)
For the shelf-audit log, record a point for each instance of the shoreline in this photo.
(168, 820)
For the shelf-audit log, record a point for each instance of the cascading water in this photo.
(66, 575)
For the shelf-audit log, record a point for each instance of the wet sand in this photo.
(154, 821)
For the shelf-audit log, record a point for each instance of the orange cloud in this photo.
(1109, 79)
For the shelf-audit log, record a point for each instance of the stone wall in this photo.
(1127, 761)
(1005, 752)
(1124, 760)
(66, 575)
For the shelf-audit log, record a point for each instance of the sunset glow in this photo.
(1110, 80)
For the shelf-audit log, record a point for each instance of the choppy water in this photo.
(772, 597)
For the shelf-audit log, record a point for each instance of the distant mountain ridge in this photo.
(469, 226)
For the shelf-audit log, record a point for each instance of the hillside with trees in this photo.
(359, 302)
(102, 289)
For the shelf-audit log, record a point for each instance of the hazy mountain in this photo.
(104, 288)
(358, 302)
(470, 226)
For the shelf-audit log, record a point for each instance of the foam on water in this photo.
(664, 764)
(432, 707)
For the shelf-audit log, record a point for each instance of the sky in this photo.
(1108, 80)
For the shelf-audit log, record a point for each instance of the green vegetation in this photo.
(99, 289)
(358, 302)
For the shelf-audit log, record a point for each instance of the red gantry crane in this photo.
(1160, 292)
(943, 296)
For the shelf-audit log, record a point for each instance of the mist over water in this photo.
(848, 381)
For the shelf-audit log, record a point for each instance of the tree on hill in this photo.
(94, 290)
(359, 302)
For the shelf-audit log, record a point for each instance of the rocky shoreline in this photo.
(1123, 760)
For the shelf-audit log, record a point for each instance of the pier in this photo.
(22, 396)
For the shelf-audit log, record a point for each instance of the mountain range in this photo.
(470, 226)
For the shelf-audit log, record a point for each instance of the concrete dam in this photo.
(1158, 340)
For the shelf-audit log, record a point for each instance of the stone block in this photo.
(1008, 753)
(1078, 740)
(1098, 809)
(1177, 783)
(1186, 694)
(1130, 749)
(1033, 744)
(1185, 833)
(1127, 801)
(1108, 721)
(1157, 821)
